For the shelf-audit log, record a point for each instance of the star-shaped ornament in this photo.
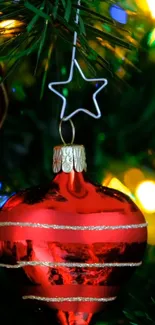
(64, 101)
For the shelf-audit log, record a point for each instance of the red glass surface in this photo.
(71, 200)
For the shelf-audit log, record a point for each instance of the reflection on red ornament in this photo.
(75, 242)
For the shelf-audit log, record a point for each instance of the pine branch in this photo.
(43, 21)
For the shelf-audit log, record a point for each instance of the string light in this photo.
(151, 4)
(151, 38)
(145, 193)
(9, 26)
(118, 14)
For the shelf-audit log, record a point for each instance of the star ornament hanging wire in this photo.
(74, 63)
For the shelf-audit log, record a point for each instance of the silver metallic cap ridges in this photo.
(68, 158)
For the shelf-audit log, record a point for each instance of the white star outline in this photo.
(70, 78)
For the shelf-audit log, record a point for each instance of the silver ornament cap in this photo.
(67, 158)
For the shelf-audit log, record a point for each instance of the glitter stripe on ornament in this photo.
(50, 264)
(69, 299)
(62, 227)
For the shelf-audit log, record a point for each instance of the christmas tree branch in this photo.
(42, 21)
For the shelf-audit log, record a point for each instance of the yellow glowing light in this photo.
(133, 177)
(117, 185)
(121, 72)
(7, 26)
(145, 193)
(151, 4)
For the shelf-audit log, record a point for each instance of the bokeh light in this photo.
(119, 186)
(151, 4)
(118, 14)
(3, 199)
(145, 193)
(65, 92)
(132, 177)
(151, 38)
(9, 26)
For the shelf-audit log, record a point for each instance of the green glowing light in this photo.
(63, 71)
(151, 38)
(101, 137)
(65, 92)
(106, 27)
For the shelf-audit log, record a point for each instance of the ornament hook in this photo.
(74, 63)
(73, 131)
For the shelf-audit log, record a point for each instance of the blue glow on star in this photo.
(118, 14)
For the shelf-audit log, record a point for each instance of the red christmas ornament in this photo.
(75, 242)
